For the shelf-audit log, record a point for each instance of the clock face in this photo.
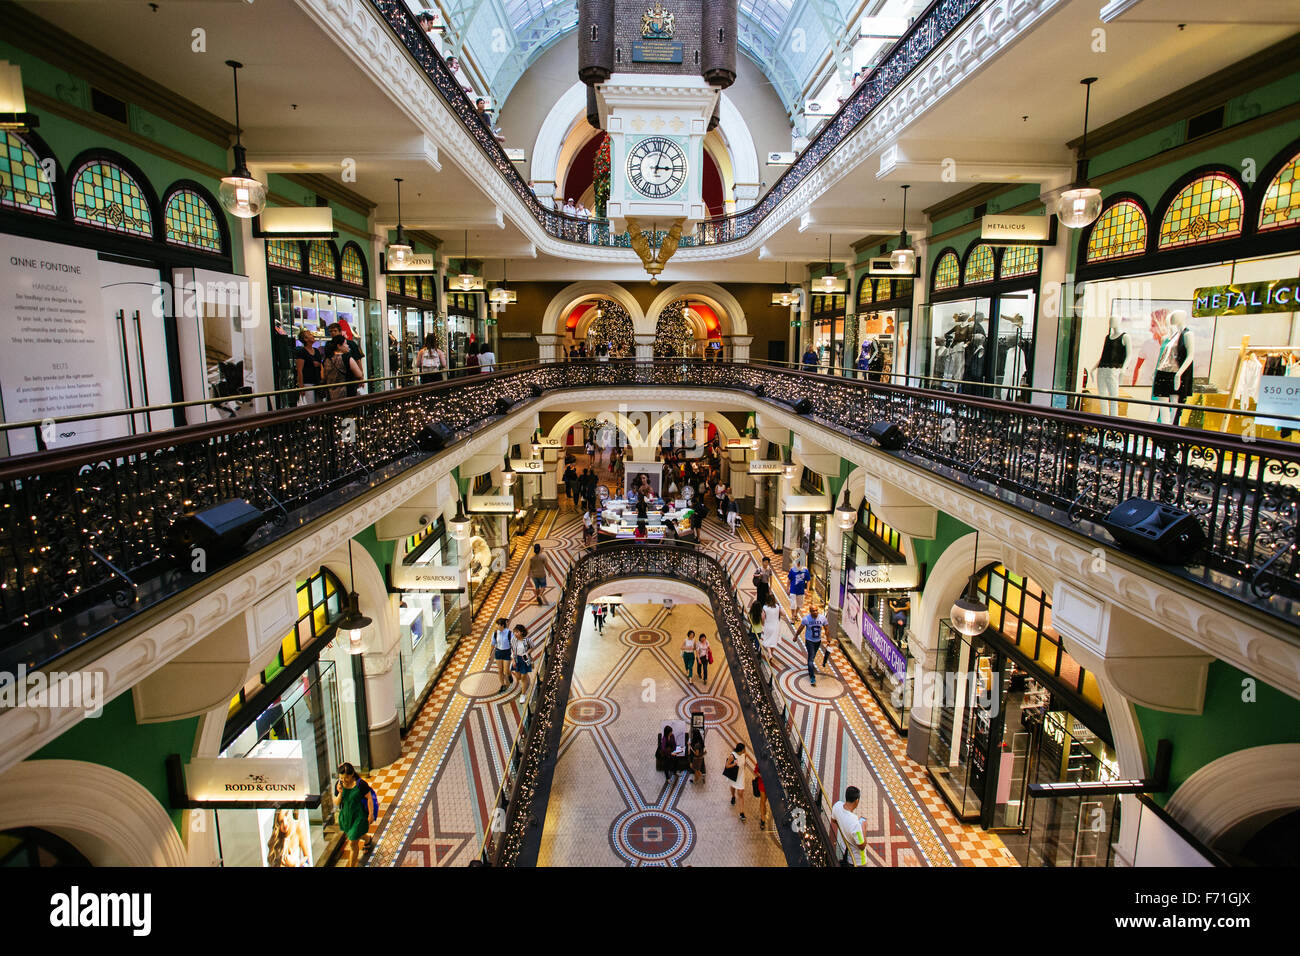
(656, 167)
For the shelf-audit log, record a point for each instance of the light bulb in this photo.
(466, 280)
(969, 617)
(241, 196)
(1078, 206)
(903, 260)
(398, 253)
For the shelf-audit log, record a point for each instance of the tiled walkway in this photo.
(436, 798)
(609, 806)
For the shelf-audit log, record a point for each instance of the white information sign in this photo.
(1278, 395)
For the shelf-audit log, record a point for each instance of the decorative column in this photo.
(1052, 283)
(545, 193)
(382, 720)
(260, 370)
(645, 347)
(746, 195)
(549, 347)
(739, 347)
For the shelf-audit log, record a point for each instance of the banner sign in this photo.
(765, 466)
(419, 263)
(884, 647)
(1247, 298)
(881, 577)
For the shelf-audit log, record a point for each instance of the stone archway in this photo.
(571, 295)
(731, 316)
(1229, 799)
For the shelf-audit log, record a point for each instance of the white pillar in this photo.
(1055, 272)
(739, 346)
(645, 350)
(257, 343)
(549, 347)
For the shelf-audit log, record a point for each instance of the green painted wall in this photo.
(1227, 723)
(115, 740)
(947, 530)
(381, 551)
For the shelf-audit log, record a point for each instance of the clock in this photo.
(656, 167)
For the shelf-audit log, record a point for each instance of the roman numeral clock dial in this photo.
(656, 167)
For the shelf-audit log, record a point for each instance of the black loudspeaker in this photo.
(804, 406)
(434, 436)
(888, 436)
(221, 531)
(537, 390)
(503, 407)
(1157, 531)
(759, 391)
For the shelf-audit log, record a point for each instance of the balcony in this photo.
(84, 532)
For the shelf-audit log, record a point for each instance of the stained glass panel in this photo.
(979, 267)
(22, 180)
(190, 221)
(105, 195)
(394, 284)
(1281, 206)
(426, 288)
(1019, 261)
(353, 270)
(1120, 232)
(1206, 210)
(866, 293)
(947, 275)
(284, 254)
(320, 259)
(882, 290)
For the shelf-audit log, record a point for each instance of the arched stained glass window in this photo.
(902, 288)
(979, 267)
(320, 259)
(1119, 233)
(284, 254)
(947, 274)
(426, 289)
(190, 221)
(1019, 261)
(22, 180)
(882, 290)
(1205, 210)
(1281, 206)
(866, 294)
(394, 284)
(106, 195)
(353, 270)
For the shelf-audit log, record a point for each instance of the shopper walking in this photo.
(850, 841)
(430, 361)
(351, 795)
(772, 618)
(523, 660)
(588, 526)
(688, 656)
(570, 480)
(733, 514)
(814, 622)
(537, 572)
(502, 639)
(763, 580)
(487, 359)
(703, 657)
(760, 791)
(797, 583)
(736, 770)
(306, 364)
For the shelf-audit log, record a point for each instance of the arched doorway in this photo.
(688, 327)
(597, 323)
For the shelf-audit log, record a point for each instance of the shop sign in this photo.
(419, 262)
(884, 647)
(256, 781)
(515, 335)
(807, 505)
(656, 51)
(492, 504)
(528, 466)
(1015, 229)
(427, 577)
(882, 577)
(1278, 395)
(764, 466)
(1247, 298)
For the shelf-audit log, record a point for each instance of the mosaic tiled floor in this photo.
(436, 797)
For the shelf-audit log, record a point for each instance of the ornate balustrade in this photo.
(798, 812)
(84, 531)
(922, 38)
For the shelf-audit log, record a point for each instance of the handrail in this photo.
(83, 523)
(926, 33)
(803, 839)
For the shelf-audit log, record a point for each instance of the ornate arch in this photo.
(628, 427)
(105, 814)
(1257, 782)
(566, 298)
(733, 315)
(666, 421)
(192, 220)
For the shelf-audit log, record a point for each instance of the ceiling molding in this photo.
(322, 185)
(1271, 63)
(426, 237)
(968, 198)
(42, 39)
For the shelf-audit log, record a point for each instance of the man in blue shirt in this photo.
(815, 623)
(798, 578)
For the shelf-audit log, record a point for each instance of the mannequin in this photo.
(1114, 357)
(1173, 378)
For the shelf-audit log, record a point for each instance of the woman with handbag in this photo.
(734, 770)
(760, 791)
(703, 658)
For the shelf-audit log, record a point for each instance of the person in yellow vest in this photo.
(851, 843)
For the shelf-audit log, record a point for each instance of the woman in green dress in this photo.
(353, 810)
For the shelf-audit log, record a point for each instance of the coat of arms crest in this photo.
(657, 24)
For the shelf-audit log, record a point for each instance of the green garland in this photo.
(600, 176)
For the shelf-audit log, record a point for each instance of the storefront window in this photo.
(881, 329)
(428, 621)
(298, 308)
(959, 346)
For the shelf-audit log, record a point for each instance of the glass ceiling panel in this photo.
(769, 14)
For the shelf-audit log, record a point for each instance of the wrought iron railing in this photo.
(797, 813)
(925, 34)
(83, 525)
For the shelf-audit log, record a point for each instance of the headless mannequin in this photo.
(1106, 372)
(1176, 387)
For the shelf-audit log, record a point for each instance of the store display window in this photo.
(428, 620)
(828, 328)
(412, 315)
(880, 330)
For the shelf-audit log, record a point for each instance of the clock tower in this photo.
(655, 70)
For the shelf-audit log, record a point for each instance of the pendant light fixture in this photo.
(399, 250)
(970, 615)
(846, 513)
(466, 278)
(786, 297)
(507, 476)
(903, 259)
(240, 194)
(1080, 204)
(501, 294)
(787, 464)
(827, 283)
(353, 621)
(459, 525)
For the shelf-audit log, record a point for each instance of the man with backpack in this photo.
(815, 624)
